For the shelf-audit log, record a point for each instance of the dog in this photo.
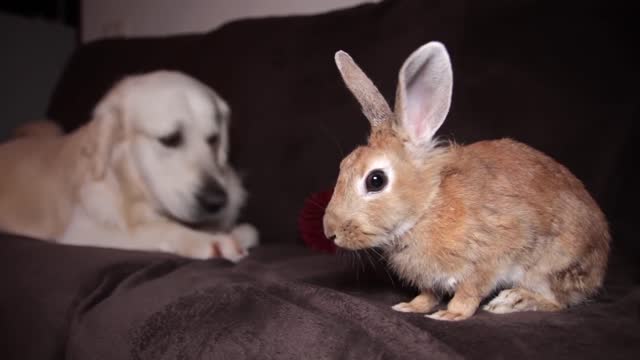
(147, 172)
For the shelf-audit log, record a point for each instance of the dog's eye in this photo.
(172, 140)
(213, 140)
(376, 181)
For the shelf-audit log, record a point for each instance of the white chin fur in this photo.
(402, 229)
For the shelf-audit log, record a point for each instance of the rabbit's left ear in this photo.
(374, 106)
(424, 91)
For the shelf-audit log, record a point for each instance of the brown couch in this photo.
(560, 77)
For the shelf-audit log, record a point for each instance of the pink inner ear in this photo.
(417, 112)
(418, 117)
(425, 92)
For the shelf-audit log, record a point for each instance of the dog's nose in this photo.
(212, 197)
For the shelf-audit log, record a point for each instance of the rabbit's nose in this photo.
(328, 223)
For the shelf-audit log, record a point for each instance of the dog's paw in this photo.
(246, 235)
(225, 246)
(201, 249)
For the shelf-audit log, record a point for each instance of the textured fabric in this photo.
(284, 302)
(560, 77)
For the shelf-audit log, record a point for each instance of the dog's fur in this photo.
(151, 163)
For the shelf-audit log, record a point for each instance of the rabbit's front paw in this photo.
(422, 303)
(447, 315)
(405, 307)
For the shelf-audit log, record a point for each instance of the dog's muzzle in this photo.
(212, 197)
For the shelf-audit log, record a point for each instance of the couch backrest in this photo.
(559, 78)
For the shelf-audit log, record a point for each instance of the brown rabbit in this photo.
(457, 219)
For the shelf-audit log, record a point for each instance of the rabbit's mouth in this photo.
(359, 240)
(356, 238)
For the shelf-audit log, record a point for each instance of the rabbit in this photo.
(463, 220)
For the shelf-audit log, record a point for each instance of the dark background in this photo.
(62, 11)
(36, 40)
(559, 76)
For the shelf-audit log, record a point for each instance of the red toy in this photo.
(310, 222)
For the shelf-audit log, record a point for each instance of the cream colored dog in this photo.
(146, 171)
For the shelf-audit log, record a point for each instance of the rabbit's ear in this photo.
(424, 92)
(373, 104)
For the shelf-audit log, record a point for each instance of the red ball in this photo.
(310, 222)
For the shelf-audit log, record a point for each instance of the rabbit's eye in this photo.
(376, 180)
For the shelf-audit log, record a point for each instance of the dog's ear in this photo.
(106, 130)
(223, 112)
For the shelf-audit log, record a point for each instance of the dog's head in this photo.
(173, 130)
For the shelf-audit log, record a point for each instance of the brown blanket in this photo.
(283, 302)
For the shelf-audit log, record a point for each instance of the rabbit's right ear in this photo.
(423, 97)
(373, 104)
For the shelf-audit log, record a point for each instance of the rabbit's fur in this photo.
(468, 219)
